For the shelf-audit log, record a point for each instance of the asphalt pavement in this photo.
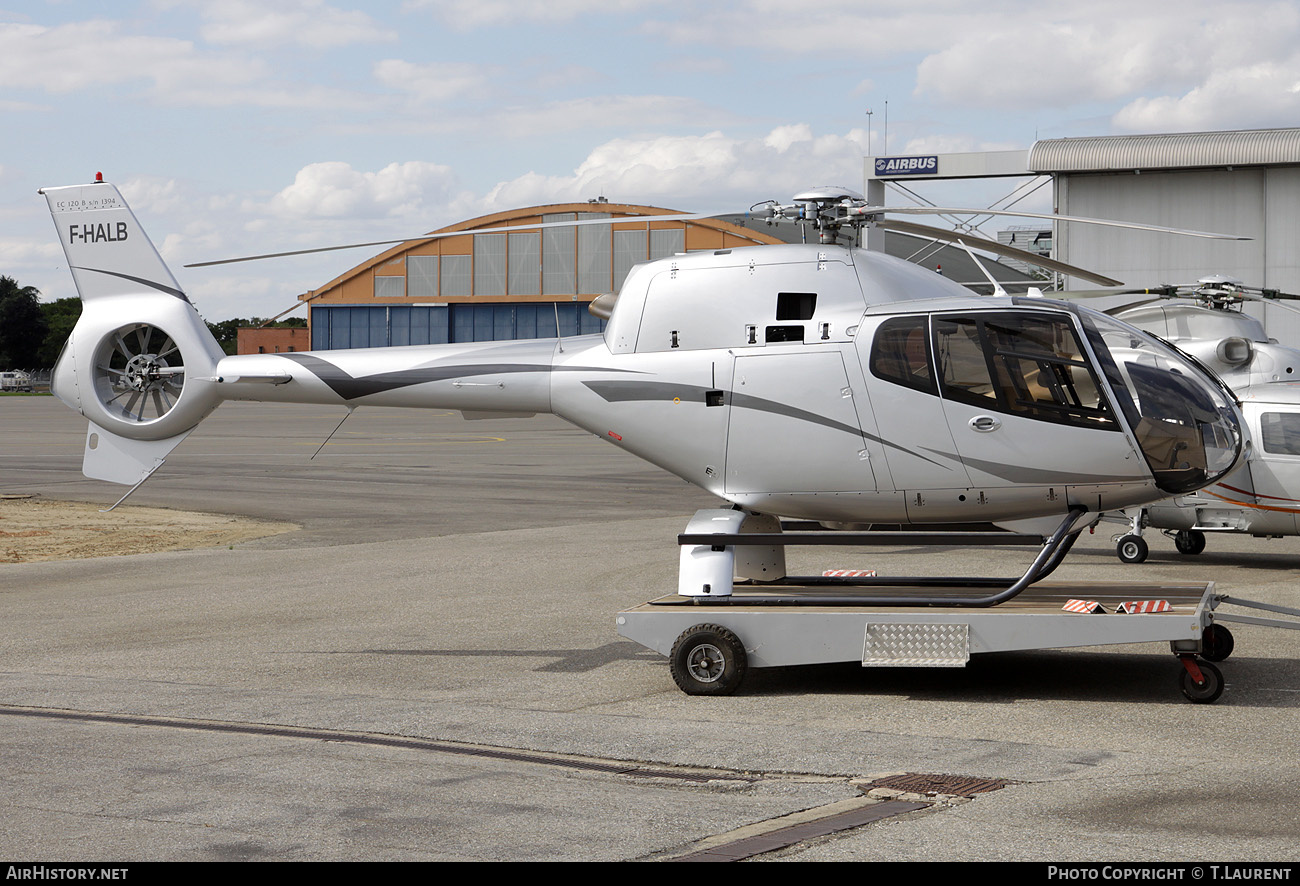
(428, 669)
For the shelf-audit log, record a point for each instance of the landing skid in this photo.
(709, 559)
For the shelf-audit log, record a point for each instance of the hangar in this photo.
(523, 283)
(511, 284)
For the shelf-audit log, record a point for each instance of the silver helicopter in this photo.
(817, 381)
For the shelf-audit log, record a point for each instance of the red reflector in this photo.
(615, 436)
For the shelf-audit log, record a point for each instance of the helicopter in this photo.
(814, 381)
(1261, 497)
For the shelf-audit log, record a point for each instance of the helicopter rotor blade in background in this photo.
(1190, 292)
(467, 232)
(936, 210)
(997, 248)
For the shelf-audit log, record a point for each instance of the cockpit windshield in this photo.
(1185, 421)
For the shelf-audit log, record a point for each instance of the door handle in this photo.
(985, 423)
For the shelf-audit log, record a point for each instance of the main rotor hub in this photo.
(828, 209)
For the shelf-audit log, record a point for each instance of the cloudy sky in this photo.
(245, 126)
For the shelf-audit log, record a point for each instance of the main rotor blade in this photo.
(1271, 294)
(632, 219)
(935, 210)
(1159, 291)
(1266, 300)
(998, 249)
(1119, 309)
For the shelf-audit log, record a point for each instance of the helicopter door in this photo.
(918, 447)
(793, 427)
(1024, 405)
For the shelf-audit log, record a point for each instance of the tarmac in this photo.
(428, 670)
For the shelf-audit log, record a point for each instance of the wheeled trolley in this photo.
(724, 621)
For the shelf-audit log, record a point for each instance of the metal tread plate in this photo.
(915, 645)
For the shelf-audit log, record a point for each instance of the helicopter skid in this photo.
(720, 545)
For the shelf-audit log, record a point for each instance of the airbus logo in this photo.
(907, 165)
(102, 233)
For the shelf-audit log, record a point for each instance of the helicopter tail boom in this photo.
(483, 379)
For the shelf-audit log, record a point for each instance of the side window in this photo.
(963, 364)
(1281, 432)
(900, 354)
(1025, 364)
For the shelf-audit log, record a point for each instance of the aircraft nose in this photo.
(1186, 421)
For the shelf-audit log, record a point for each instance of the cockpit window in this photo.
(900, 353)
(1025, 364)
(1184, 420)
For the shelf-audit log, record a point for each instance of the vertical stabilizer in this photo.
(108, 252)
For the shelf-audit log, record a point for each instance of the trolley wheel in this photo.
(1131, 549)
(1189, 541)
(1216, 643)
(708, 660)
(1207, 692)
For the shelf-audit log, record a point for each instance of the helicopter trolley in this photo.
(718, 626)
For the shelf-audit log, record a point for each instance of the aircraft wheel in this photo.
(1189, 541)
(1217, 643)
(708, 660)
(1131, 549)
(1207, 692)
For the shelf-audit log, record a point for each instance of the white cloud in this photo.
(278, 23)
(953, 143)
(334, 189)
(464, 15)
(1171, 64)
(26, 251)
(1109, 51)
(434, 82)
(83, 55)
(781, 138)
(98, 56)
(638, 113)
(711, 172)
(1263, 95)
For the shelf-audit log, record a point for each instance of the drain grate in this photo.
(953, 785)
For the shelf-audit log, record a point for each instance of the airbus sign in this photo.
(907, 165)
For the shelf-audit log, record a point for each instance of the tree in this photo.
(22, 325)
(60, 317)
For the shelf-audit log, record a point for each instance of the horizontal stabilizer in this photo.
(122, 460)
